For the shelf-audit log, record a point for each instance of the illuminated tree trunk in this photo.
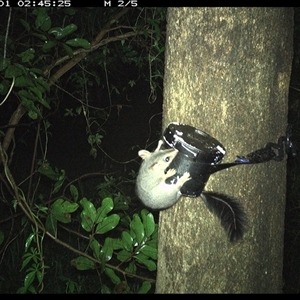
(227, 73)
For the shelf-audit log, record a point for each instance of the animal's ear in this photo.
(144, 154)
(160, 142)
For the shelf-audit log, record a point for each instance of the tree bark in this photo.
(227, 73)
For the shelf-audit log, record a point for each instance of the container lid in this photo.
(196, 144)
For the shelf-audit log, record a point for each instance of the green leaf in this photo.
(131, 267)
(108, 224)
(116, 244)
(112, 275)
(47, 170)
(39, 96)
(35, 92)
(95, 246)
(60, 32)
(32, 290)
(3, 88)
(104, 193)
(25, 24)
(39, 276)
(43, 85)
(36, 71)
(127, 241)
(82, 263)
(42, 20)
(40, 36)
(41, 208)
(144, 289)
(48, 45)
(150, 264)
(107, 250)
(33, 115)
(51, 224)
(88, 215)
(124, 255)
(25, 262)
(13, 71)
(68, 50)
(121, 202)
(29, 279)
(29, 105)
(28, 241)
(65, 206)
(41, 15)
(59, 182)
(61, 210)
(74, 192)
(4, 63)
(149, 251)
(21, 290)
(153, 242)
(137, 227)
(148, 222)
(77, 42)
(24, 81)
(107, 205)
(47, 24)
(105, 289)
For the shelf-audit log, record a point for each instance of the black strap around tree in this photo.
(265, 154)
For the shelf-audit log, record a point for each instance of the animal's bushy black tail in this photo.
(229, 211)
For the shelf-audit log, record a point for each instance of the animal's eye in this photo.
(167, 158)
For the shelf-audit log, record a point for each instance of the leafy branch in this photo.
(131, 247)
(81, 54)
(142, 236)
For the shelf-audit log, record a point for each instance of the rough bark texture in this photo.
(227, 72)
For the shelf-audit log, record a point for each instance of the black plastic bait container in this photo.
(198, 153)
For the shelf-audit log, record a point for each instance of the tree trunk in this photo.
(227, 73)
